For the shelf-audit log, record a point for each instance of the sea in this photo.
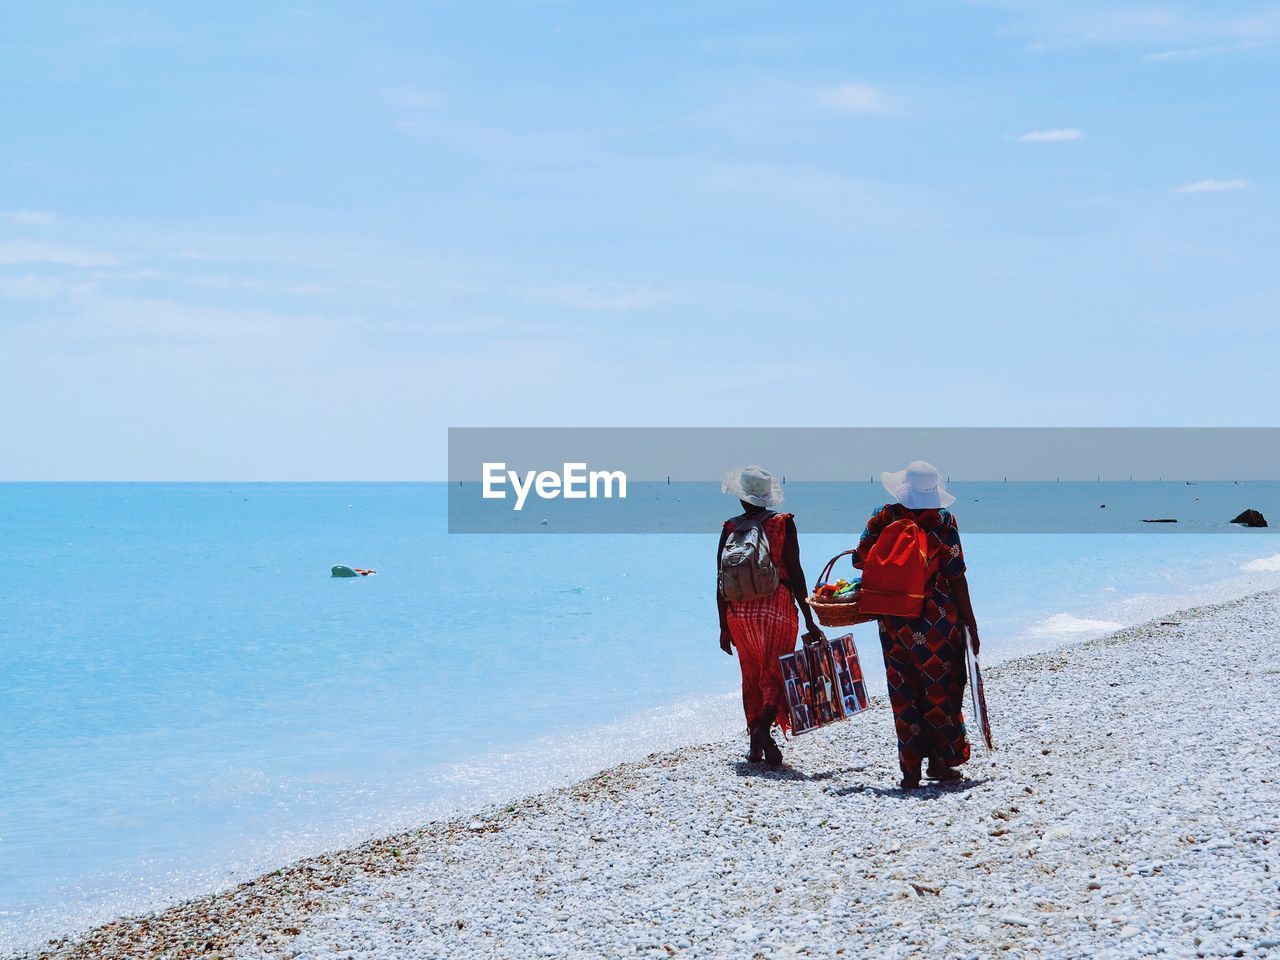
(188, 698)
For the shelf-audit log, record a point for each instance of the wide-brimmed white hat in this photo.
(918, 487)
(754, 485)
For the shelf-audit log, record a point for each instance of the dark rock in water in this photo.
(1251, 518)
(1161, 520)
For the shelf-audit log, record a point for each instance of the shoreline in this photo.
(826, 853)
(261, 816)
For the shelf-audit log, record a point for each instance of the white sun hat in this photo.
(754, 485)
(918, 487)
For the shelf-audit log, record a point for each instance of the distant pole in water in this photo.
(668, 480)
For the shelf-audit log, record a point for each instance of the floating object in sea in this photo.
(342, 570)
(1102, 506)
(1251, 518)
(1161, 520)
(543, 522)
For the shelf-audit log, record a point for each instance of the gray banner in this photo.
(1010, 480)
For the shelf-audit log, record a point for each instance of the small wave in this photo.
(1061, 624)
(1263, 565)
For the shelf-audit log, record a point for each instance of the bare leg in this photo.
(760, 737)
(911, 778)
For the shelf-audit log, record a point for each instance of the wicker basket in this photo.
(836, 613)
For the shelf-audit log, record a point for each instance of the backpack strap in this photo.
(734, 522)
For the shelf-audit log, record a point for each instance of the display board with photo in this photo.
(824, 683)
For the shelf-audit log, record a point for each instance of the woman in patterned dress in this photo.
(765, 628)
(924, 656)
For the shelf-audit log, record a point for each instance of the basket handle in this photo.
(826, 571)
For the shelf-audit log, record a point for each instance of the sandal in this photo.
(762, 744)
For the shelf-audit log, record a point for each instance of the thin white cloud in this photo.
(598, 298)
(143, 273)
(1196, 53)
(1055, 26)
(94, 316)
(796, 194)
(225, 283)
(1163, 56)
(1051, 136)
(40, 287)
(768, 45)
(853, 98)
(19, 251)
(31, 218)
(1211, 186)
(463, 326)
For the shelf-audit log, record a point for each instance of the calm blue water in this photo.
(187, 697)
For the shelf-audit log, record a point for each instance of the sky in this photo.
(301, 240)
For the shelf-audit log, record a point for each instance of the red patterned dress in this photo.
(924, 657)
(764, 629)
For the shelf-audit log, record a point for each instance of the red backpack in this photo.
(895, 571)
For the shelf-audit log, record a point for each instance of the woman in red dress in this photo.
(924, 656)
(763, 629)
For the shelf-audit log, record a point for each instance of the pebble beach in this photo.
(1131, 809)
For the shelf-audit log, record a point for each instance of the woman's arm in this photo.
(952, 567)
(795, 577)
(964, 606)
(726, 641)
